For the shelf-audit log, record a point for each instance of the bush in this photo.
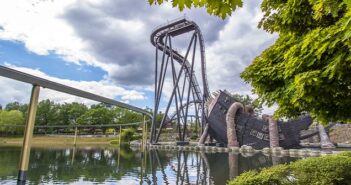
(110, 131)
(325, 170)
(127, 134)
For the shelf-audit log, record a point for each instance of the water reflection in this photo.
(124, 165)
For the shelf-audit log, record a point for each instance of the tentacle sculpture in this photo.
(230, 119)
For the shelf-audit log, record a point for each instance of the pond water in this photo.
(128, 166)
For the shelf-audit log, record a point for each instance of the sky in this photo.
(103, 46)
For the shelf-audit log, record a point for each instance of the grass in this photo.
(57, 141)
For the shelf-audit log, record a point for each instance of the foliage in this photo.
(96, 116)
(308, 69)
(127, 134)
(110, 131)
(221, 8)
(51, 113)
(247, 100)
(127, 116)
(325, 170)
(70, 112)
(47, 113)
(17, 106)
(12, 117)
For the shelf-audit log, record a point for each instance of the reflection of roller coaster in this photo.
(185, 87)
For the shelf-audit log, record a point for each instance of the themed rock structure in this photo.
(228, 122)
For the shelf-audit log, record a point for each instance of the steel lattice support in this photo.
(186, 95)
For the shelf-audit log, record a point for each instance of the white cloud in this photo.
(39, 26)
(114, 35)
(17, 91)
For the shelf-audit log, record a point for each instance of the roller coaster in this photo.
(186, 94)
(185, 88)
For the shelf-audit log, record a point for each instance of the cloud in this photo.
(38, 26)
(238, 44)
(17, 91)
(118, 33)
(114, 35)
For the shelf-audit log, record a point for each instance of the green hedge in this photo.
(325, 170)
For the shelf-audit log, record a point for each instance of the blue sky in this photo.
(12, 52)
(104, 47)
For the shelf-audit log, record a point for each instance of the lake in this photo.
(129, 166)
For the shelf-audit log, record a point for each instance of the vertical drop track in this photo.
(185, 97)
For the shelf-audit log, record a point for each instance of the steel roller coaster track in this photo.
(186, 89)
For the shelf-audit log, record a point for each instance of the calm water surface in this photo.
(127, 166)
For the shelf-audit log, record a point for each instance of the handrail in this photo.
(34, 80)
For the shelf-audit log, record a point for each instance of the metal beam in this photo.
(78, 126)
(27, 78)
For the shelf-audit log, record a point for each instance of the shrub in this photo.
(110, 131)
(325, 170)
(127, 134)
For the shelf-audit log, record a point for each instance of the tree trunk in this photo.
(325, 141)
(230, 119)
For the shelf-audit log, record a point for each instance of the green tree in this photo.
(12, 117)
(47, 113)
(247, 100)
(127, 116)
(70, 112)
(308, 69)
(13, 106)
(17, 106)
(221, 8)
(98, 115)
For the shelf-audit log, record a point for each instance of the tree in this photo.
(221, 8)
(98, 115)
(12, 117)
(247, 100)
(308, 69)
(17, 106)
(70, 112)
(127, 116)
(13, 106)
(47, 113)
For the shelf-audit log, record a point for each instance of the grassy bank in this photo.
(57, 141)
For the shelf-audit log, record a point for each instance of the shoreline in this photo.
(60, 140)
